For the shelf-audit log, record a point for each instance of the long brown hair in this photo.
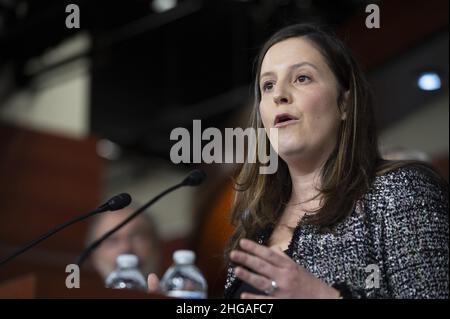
(348, 172)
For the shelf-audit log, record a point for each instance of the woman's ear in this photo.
(344, 105)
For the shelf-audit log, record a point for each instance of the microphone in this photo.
(195, 177)
(115, 203)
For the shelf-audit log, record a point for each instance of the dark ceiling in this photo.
(152, 72)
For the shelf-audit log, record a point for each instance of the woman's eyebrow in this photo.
(292, 67)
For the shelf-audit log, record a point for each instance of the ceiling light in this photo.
(429, 81)
(163, 5)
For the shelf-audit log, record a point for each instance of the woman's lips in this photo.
(284, 119)
(286, 123)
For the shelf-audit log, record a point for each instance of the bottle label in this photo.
(186, 294)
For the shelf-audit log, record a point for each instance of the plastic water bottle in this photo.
(126, 275)
(183, 279)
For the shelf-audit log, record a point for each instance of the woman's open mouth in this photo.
(284, 119)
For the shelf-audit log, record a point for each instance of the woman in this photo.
(335, 221)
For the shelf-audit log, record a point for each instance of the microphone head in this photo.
(195, 177)
(119, 201)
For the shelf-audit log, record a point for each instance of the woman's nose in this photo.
(282, 96)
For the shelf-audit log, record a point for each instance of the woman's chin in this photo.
(290, 153)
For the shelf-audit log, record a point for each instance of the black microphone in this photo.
(115, 203)
(195, 177)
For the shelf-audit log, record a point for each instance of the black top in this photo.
(397, 236)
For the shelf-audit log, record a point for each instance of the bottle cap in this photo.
(184, 257)
(127, 261)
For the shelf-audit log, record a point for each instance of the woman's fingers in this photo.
(153, 283)
(276, 258)
(253, 262)
(259, 282)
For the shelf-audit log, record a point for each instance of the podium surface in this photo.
(33, 286)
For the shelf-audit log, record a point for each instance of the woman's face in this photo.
(299, 94)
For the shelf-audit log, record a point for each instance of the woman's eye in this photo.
(267, 86)
(303, 79)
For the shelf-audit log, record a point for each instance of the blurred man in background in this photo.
(139, 237)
